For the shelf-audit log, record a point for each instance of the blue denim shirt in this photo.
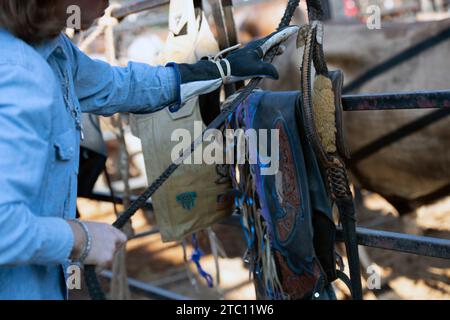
(43, 91)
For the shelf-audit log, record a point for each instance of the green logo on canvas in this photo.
(187, 200)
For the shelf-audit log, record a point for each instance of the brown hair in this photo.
(31, 20)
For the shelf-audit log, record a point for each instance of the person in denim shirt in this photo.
(45, 85)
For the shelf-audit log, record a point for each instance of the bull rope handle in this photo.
(336, 174)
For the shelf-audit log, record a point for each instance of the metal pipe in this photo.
(145, 5)
(424, 246)
(397, 101)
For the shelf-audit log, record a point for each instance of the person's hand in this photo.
(206, 76)
(106, 240)
(248, 62)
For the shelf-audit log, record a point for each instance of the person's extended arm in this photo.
(25, 238)
(140, 88)
(137, 88)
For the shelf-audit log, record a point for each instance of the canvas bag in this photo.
(190, 200)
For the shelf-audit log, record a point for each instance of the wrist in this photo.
(87, 242)
(79, 242)
(202, 70)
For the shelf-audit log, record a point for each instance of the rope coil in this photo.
(218, 58)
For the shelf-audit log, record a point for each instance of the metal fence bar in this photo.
(396, 101)
(423, 246)
(146, 5)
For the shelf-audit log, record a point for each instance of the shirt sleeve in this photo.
(137, 88)
(25, 238)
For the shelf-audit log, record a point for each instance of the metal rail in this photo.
(146, 5)
(394, 241)
(400, 242)
(397, 101)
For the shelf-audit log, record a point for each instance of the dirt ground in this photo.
(404, 276)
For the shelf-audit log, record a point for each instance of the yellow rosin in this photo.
(324, 112)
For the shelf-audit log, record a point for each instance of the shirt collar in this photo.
(48, 47)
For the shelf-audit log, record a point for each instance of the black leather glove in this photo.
(209, 74)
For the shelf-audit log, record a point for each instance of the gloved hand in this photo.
(208, 75)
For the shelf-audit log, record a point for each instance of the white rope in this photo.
(218, 58)
(226, 77)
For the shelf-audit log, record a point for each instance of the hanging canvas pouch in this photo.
(195, 197)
